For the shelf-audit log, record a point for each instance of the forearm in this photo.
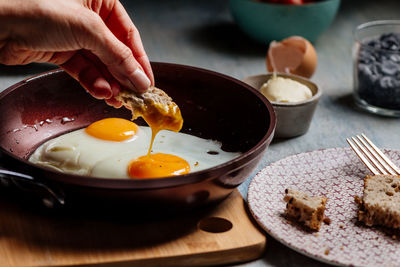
(18, 22)
(19, 18)
(8, 12)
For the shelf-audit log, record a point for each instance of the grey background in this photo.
(202, 33)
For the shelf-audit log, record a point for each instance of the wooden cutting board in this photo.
(221, 235)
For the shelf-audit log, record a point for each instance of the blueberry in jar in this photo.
(378, 71)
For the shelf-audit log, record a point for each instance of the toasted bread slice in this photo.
(380, 203)
(156, 108)
(305, 209)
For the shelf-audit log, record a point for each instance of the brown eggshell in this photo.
(294, 55)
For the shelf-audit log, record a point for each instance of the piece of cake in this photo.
(305, 209)
(380, 203)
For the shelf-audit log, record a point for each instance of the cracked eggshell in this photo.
(293, 55)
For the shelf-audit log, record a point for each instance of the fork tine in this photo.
(373, 153)
(376, 156)
(387, 161)
(363, 158)
(370, 157)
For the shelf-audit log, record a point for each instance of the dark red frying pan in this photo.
(213, 106)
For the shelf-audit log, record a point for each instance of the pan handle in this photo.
(15, 177)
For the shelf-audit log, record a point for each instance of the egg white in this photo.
(79, 153)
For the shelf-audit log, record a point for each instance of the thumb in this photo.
(115, 55)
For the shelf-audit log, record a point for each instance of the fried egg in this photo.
(118, 148)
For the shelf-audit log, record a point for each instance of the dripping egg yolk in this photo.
(112, 129)
(158, 165)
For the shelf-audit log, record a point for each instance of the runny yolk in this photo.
(158, 165)
(112, 129)
(159, 118)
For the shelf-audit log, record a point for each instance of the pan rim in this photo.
(162, 182)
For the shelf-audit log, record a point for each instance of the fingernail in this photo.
(140, 80)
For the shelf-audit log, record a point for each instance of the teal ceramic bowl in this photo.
(265, 22)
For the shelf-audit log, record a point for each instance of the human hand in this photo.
(94, 41)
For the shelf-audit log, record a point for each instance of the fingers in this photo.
(117, 44)
(89, 76)
(120, 24)
(114, 102)
(115, 87)
(119, 60)
(93, 75)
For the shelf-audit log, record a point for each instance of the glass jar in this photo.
(376, 57)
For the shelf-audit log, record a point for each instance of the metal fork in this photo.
(377, 162)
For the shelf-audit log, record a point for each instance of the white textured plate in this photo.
(338, 174)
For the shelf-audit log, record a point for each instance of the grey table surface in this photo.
(203, 34)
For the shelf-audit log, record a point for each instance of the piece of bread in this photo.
(380, 203)
(305, 209)
(156, 108)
